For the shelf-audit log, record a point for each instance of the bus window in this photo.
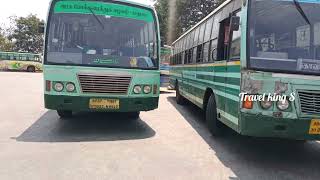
(224, 39)
(206, 52)
(235, 44)
(200, 53)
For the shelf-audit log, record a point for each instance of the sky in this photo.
(25, 7)
(22, 8)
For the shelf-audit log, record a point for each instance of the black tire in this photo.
(64, 114)
(213, 124)
(179, 98)
(134, 115)
(31, 69)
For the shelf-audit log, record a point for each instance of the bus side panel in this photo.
(232, 94)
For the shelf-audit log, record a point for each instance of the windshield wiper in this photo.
(99, 21)
(299, 8)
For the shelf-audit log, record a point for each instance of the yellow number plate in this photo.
(314, 126)
(104, 104)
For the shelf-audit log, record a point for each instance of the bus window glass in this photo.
(102, 38)
(215, 27)
(201, 34)
(206, 52)
(236, 43)
(291, 45)
(208, 30)
(196, 36)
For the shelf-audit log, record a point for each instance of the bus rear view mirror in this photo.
(235, 23)
(41, 28)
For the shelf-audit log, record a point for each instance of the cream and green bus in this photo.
(101, 55)
(20, 61)
(254, 66)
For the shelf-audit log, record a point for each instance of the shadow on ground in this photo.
(86, 127)
(256, 158)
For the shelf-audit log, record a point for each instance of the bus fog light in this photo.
(266, 104)
(137, 89)
(58, 86)
(283, 105)
(147, 89)
(70, 87)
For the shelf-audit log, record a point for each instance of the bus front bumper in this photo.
(270, 127)
(82, 103)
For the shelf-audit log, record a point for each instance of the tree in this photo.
(190, 12)
(5, 44)
(162, 7)
(186, 14)
(25, 34)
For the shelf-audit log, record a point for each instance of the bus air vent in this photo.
(104, 84)
(310, 101)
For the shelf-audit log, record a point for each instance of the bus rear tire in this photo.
(64, 114)
(213, 124)
(179, 98)
(31, 69)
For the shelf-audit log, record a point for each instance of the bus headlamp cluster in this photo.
(70, 87)
(266, 104)
(283, 105)
(147, 89)
(138, 89)
(59, 87)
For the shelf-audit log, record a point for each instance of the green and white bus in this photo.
(101, 55)
(20, 61)
(254, 48)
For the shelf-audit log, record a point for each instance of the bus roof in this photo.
(204, 19)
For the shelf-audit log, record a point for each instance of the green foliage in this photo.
(188, 13)
(25, 34)
(163, 10)
(5, 44)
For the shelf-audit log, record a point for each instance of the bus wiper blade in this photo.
(299, 8)
(94, 14)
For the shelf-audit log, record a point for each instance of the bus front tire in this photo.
(64, 114)
(179, 98)
(213, 124)
(31, 69)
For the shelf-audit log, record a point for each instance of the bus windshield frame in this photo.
(285, 41)
(93, 52)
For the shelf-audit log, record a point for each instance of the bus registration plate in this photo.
(314, 126)
(104, 104)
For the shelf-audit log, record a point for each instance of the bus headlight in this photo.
(70, 87)
(283, 105)
(266, 104)
(147, 89)
(58, 86)
(137, 89)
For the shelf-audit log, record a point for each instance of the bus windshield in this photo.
(285, 36)
(101, 34)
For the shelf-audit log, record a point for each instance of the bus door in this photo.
(221, 67)
(233, 73)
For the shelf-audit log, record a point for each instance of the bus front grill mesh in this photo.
(104, 84)
(309, 102)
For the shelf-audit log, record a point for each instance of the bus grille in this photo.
(309, 102)
(104, 84)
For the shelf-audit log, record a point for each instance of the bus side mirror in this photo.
(41, 28)
(235, 23)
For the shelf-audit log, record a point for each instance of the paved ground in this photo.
(169, 143)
